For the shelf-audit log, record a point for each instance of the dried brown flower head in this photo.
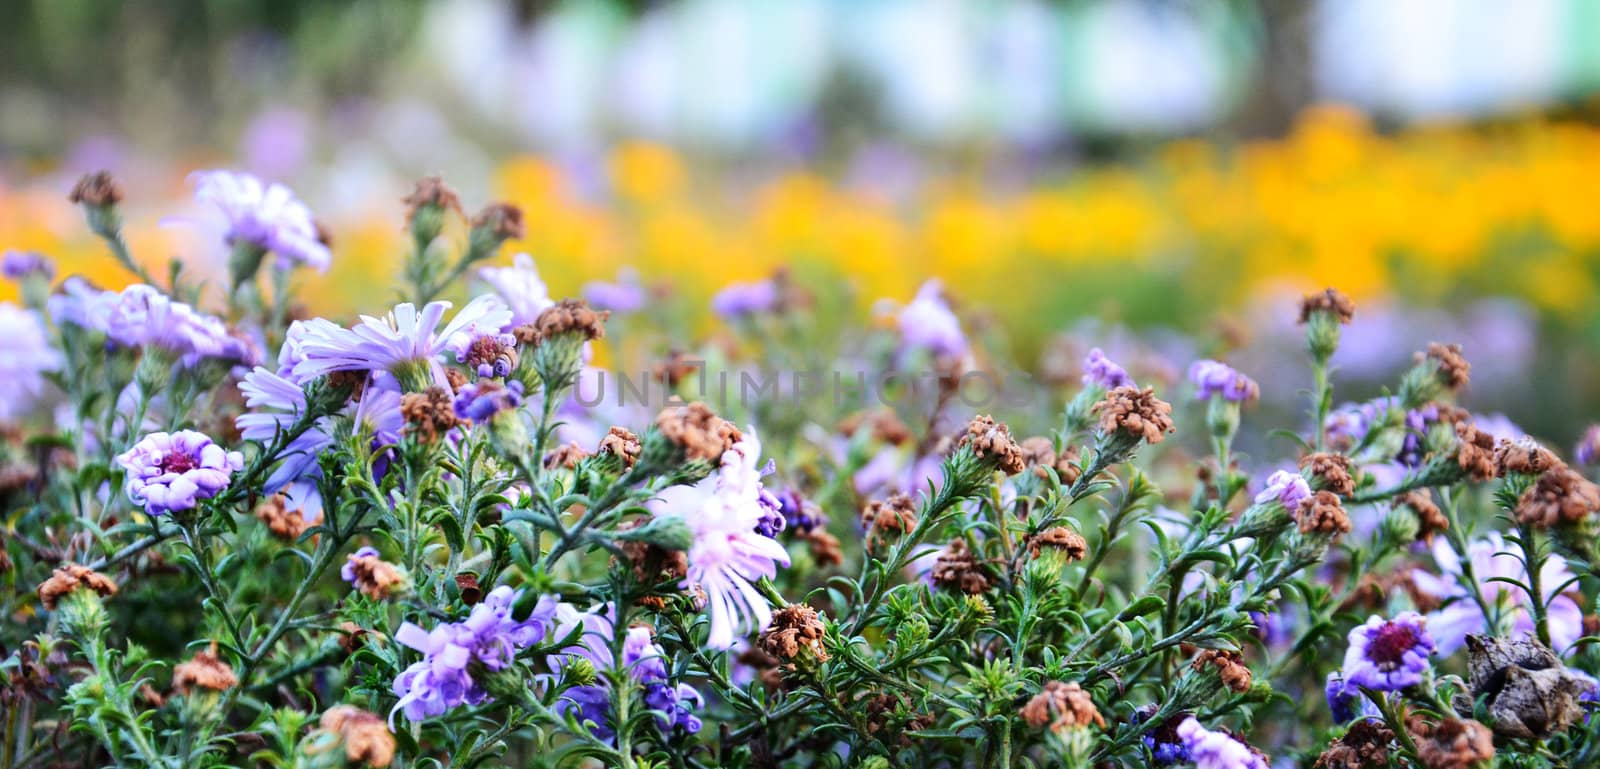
(456, 379)
(824, 547)
(1331, 301)
(992, 441)
(1060, 539)
(205, 670)
(1527, 689)
(795, 628)
(572, 316)
(1475, 451)
(957, 569)
(365, 736)
(568, 456)
(1525, 456)
(676, 367)
(1066, 465)
(429, 414)
(1138, 413)
(1322, 513)
(352, 637)
(652, 564)
(887, 519)
(1430, 519)
(700, 433)
(1452, 743)
(1230, 667)
(69, 577)
(96, 189)
(374, 577)
(1561, 495)
(285, 524)
(621, 443)
(1367, 745)
(1330, 471)
(431, 191)
(1453, 369)
(885, 426)
(1062, 706)
(467, 585)
(503, 220)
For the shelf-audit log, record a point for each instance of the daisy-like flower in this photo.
(642, 658)
(1495, 564)
(267, 216)
(1215, 378)
(1216, 750)
(727, 555)
(488, 636)
(142, 316)
(174, 471)
(928, 324)
(82, 305)
(405, 343)
(1104, 373)
(520, 287)
(28, 355)
(1387, 655)
(1287, 488)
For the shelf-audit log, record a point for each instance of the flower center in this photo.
(1389, 645)
(178, 462)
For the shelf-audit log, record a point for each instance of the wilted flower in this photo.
(169, 472)
(1063, 706)
(205, 670)
(1388, 655)
(267, 216)
(520, 287)
(1214, 378)
(367, 572)
(27, 354)
(363, 734)
(728, 556)
(1494, 567)
(928, 324)
(69, 577)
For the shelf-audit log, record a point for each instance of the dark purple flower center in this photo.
(1388, 646)
(178, 462)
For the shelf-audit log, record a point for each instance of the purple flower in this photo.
(1216, 750)
(1162, 741)
(275, 404)
(643, 660)
(267, 216)
(1495, 567)
(1588, 448)
(481, 400)
(1100, 371)
(27, 353)
(1215, 378)
(744, 299)
(798, 514)
(623, 296)
(674, 705)
(488, 636)
(17, 265)
(81, 305)
(404, 343)
(1345, 703)
(1388, 655)
(928, 324)
(520, 288)
(348, 571)
(142, 316)
(174, 471)
(727, 555)
(1287, 488)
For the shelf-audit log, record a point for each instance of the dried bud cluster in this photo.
(1430, 519)
(1524, 456)
(1061, 539)
(957, 568)
(1452, 369)
(621, 443)
(1323, 514)
(374, 577)
(503, 221)
(1137, 413)
(98, 189)
(205, 670)
(1063, 707)
(571, 316)
(70, 577)
(1331, 301)
(431, 191)
(700, 433)
(1560, 495)
(992, 441)
(1229, 665)
(795, 629)
(885, 520)
(365, 736)
(1475, 451)
(429, 414)
(1330, 472)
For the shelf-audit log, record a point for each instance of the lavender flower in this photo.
(27, 353)
(81, 305)
(168, 472)
(1104, 373)
(1588, 448)
(1287, 488)
(404, 343)
(17, 265)
(741, 300)
(489, 636)
(1495, 567)
(728, 556)
(623, 296)
(1388, 655)
(520, 288)
(928, 324)
(798, 514)
(277, 402)
(481, 400)
(348, 571)
(1214, 378)
(1346, 704)
(142, 316)
(642, 659)
(1216, 750)
(267, 216)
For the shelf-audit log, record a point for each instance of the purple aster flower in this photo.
(1496, 566)
(1215, 378)
(674, 706)
(1588, 448)
(1345, 703)
(740, 300)
(520, 288)
(267, 216)
(1287, 488)
(489, 636)
(142, 316)
(798, 514)
(623, 296)
(1100, 371)
(27, 353)
(348, 571)
(642, 658)
(1162, 741)
(1216, 750)
(404, 343)
(1388, 655)
(82, 305)
(928, 324)
(481, 400)
(727, 555)
(174, 471)
(592, 704)
(17, 265)
(275, 404)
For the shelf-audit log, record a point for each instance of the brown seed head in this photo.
(795, 628)
(1330, 471)
(621, 443)
(366, 738)
(1475, 451)
(1561, 495)
(1524, 456)
(992, 440)
(69, 577)
(429, 414)
(1230, 667)
(96, 189)
(1136, 412)
(1062, 706)
(1322, 513)
(502, 219)
(431, 191)
(572, 316)
(285, 524)
(700, 433)
(1367, 745)
(205, 670)
(1060, 539)
(957, 569)
(886, 519)
(825, 548)
(1453, 368)
(1329, 300)
(374, 577)
(567, 456)
(1430, 519)
(1451, 743)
